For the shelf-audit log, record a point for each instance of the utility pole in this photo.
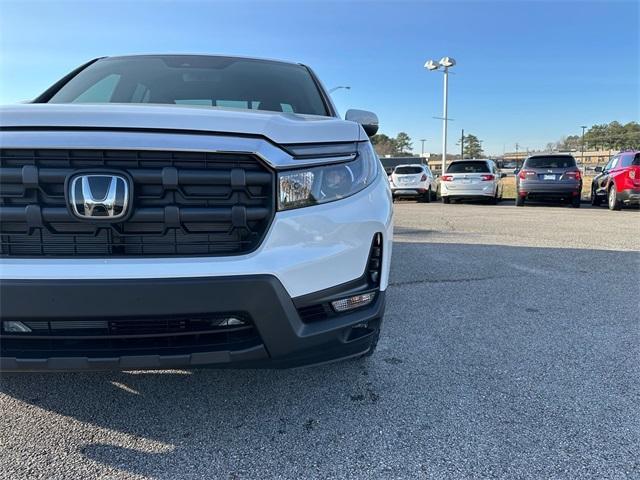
(517, 147)
(583, 127)
(462, 145)
(423, 140)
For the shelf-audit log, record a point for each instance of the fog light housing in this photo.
(351, 303)
(231, 322)
(13, 326)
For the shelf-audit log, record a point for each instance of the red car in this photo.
(618, 182)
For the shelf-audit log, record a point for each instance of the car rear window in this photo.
(550, 162)
(468, 167)
(407, 170)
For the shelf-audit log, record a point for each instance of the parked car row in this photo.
(548, 177)
(464, 179)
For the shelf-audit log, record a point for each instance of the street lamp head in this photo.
(432, 65)
(447, 62)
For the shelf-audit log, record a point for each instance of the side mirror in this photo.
(597, 169)
(503, 175)
(368, 120)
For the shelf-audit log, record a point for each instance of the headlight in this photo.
(316, 185)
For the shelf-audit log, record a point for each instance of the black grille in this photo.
(133, 336)
(184, 203)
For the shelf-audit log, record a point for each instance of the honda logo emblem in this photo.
(99, 196)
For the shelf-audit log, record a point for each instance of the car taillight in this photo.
(486, 178)
(574, 174)
(447, 178)
(423, 178)
(632, 174)
(523, 173)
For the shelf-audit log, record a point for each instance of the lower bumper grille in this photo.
(134, 336)
(184, 203)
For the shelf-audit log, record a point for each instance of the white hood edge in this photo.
(280, 128)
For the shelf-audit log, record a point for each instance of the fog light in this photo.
(231, 322)
(356, 301)
(14, 326)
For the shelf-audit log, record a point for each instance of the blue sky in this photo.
(528, 72)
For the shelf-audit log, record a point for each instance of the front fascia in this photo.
(307, 249)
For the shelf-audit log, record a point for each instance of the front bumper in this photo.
(282, 333)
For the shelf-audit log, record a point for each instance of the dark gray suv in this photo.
(549, 177)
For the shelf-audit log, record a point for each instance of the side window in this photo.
(607, 167)
(614, 162)
(626, 160)
(99, 92)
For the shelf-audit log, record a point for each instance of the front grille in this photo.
(133, 336)
(184, 203)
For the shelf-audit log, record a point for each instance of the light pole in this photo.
(583, 127)
(338, 88)
(445, 64)
(423, 140)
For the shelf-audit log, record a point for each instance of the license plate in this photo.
(466, 181)
(549, 177)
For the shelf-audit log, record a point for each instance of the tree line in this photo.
(612, 136)
(401, 145)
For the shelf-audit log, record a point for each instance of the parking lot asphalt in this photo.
(510, 349)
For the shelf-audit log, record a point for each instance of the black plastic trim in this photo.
(287, 341)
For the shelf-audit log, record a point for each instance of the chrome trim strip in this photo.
(113, 140)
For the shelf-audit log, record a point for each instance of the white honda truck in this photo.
(163, 211)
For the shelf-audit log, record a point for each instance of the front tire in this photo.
(595, 200)
(614, 203)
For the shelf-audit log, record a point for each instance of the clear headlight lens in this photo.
(327, 183)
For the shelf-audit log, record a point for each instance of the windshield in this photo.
(407, 170)
(196, 80)
(468, 167)
(550, 162)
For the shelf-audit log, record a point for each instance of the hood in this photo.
(281, 128)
